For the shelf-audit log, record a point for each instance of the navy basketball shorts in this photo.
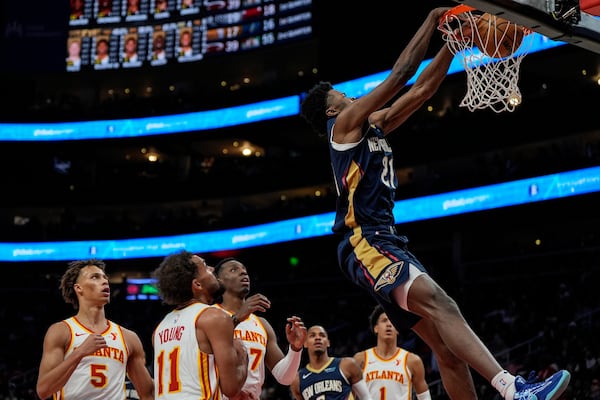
(377, 259)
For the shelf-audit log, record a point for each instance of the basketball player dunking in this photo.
(371, 253)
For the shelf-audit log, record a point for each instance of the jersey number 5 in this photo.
(98, 376)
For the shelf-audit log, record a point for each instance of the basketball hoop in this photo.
(492, 70)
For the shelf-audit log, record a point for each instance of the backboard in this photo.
(560, 20)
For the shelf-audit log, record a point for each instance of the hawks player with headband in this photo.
(371, 253)
(88, 356)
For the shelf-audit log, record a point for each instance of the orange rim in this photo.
(452, 13)
(456, 10)
(463, 8)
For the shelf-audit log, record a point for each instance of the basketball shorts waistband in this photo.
(379, 229)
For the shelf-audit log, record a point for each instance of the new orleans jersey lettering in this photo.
(328, 383)
(378, 144)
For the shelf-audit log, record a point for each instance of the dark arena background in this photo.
(525, 275)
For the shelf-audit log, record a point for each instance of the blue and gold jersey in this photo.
(365, 180)
(327, 383)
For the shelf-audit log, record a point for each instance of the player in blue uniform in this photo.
(325, 377)
(371, 253)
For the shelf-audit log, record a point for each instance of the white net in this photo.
(492, 82)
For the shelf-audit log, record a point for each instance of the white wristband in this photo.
(424, 396)
(286, 369)
(361, 390)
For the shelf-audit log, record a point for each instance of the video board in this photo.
(112, 34)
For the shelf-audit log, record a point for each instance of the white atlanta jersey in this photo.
(181, 370)
(387, 379)
(98, 376)
(254, 336)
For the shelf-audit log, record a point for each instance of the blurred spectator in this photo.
(594, 391)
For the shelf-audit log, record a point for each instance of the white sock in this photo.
(505, 384)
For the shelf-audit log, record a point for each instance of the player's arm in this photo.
(353, 372)
(424, 88)
(285, 368)
(295, 388)
(55, 370)
(417, 370)
(274, 353)
(136, 366)
(360, 359)
(351, 120)
(214, 330)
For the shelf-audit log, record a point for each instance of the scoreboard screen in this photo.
(113, 34)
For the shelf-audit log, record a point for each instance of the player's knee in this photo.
(444, 305)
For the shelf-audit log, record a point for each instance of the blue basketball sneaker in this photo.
(550, 389)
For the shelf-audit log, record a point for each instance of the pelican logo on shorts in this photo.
(389, 275)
